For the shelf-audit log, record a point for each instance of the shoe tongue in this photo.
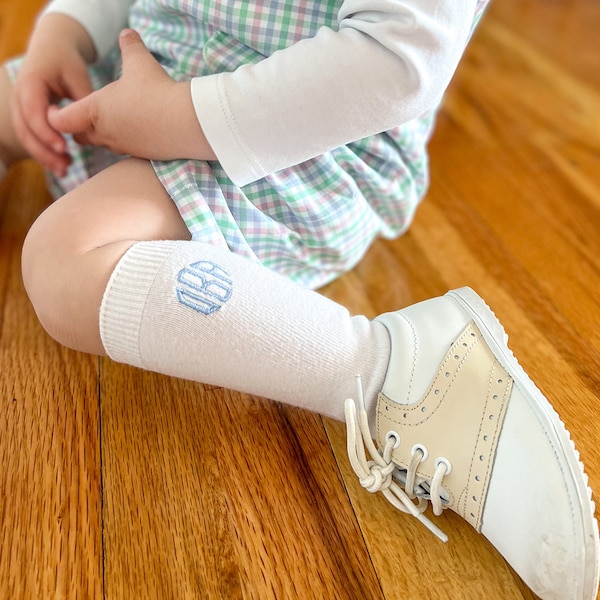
(422, 487)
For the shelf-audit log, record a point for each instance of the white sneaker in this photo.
(461, 425)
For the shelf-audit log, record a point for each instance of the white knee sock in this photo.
(202, 313)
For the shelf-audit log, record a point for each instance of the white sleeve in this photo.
(103, 19)
(390, 61)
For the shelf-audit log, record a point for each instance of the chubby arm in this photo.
(389, 62)
(144, 113)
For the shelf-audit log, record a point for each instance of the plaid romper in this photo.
(311, 222)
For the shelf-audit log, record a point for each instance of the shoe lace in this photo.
(376, 475)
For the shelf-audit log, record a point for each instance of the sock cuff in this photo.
(124, 300)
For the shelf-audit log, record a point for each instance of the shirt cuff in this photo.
(217, 120)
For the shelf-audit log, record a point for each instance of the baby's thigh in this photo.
(124, 202)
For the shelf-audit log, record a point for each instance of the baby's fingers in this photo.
(32, 101)
(75, 118)
(43, 143)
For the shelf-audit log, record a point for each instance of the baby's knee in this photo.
(41, 270)
(54, 276)
(65, 273)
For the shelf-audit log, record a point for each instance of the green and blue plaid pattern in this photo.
(311, 222)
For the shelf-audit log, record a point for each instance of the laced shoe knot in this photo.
(379, 477)
(375, 475)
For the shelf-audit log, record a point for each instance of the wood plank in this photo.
(16, 19)
(50, 503)
(565, 31)
(214, 494)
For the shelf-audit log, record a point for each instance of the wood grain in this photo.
(118, 483)
(50, 491)
(209, 493)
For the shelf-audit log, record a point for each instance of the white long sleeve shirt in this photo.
(388, 62)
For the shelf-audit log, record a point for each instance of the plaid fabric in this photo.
(310, 222)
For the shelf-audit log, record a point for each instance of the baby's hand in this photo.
(144, 114)
(54, 68)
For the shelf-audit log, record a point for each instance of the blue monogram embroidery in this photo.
(204, 287)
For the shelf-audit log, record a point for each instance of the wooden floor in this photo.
(115, 483)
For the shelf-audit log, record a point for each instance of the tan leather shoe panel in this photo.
(459, 418)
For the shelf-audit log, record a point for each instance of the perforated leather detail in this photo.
(459, 418)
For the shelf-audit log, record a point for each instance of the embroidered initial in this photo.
(204, 286)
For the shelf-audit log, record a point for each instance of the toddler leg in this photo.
(457, 421)
(199, 312)
(186, 308)
(72, 248)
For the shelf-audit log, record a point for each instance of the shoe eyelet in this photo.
(423, 450)
(392, 435)
(443, 461)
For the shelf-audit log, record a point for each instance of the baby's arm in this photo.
(144, 113)
(390, 61)
(55, 67)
